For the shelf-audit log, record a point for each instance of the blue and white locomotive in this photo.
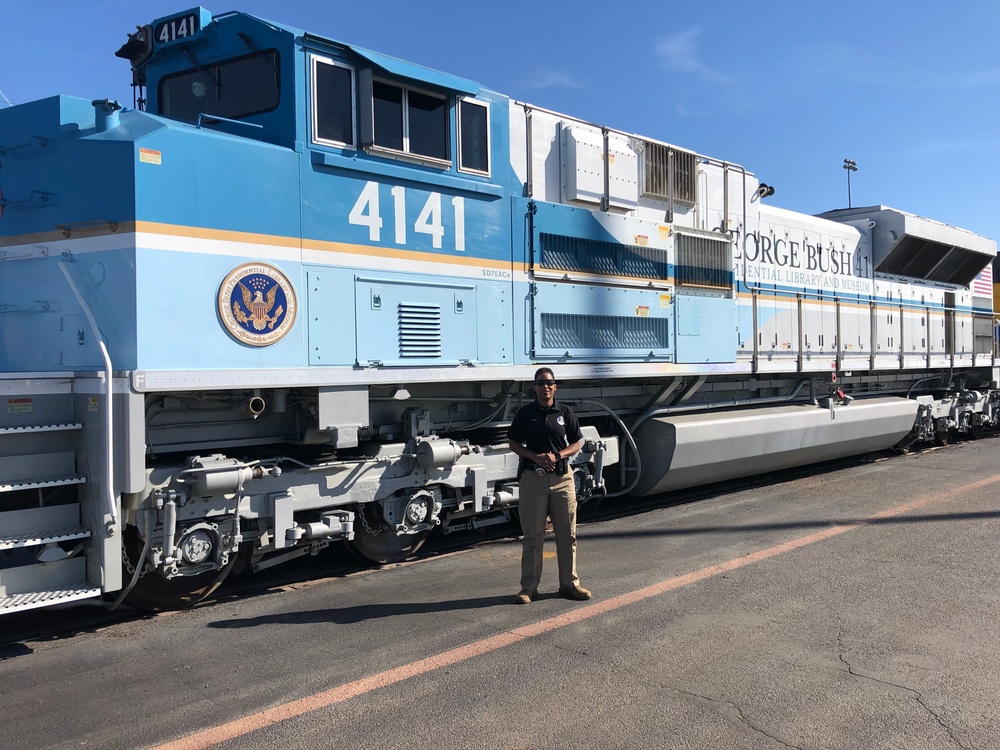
(293, 297)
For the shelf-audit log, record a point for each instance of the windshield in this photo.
(233, 88)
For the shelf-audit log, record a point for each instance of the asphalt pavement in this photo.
(852, 608)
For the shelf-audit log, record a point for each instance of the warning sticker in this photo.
(664, 231)
(18, 405)
(642, 311)
(641, 240)
(149, 156)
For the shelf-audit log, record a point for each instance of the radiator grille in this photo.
(704, 261)
(982, 334)
(566, 332)
(607, 258)
(419, 330)
(656, 165)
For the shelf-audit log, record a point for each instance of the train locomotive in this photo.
(294, 294)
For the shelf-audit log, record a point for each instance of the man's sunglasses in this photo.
(545, 383)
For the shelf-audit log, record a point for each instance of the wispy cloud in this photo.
(685, 112)
(679, 52)
(943, 146)
(989, 77)
(923, 79)
(955, 79)
(553, 79)
(53, 48)
(864, 67)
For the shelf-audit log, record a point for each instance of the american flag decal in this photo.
(982, 285)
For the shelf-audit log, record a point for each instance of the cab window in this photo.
(473, 136)
(405, 121)
(333, 95)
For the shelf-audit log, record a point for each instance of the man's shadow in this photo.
(361, 613)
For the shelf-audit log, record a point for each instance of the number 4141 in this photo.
(366, 213)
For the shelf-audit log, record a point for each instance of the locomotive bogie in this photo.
(281, 503)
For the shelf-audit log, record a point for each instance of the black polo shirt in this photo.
(542, 429)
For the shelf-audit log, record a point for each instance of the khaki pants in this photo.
(554, 496)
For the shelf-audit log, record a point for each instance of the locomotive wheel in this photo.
(385, 547)
(944, 438)
(976, 431)
(158, 594)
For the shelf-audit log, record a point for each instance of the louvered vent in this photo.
(656, 167)
(705, 261)
(419, 330)
(919, 258)
(600, 257)
(567, 332)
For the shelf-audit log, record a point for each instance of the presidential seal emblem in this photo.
(257, 304)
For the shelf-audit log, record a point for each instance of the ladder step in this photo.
(46, 598)
(37, 538)
(54, 482)
(37, 469)
(41, 428)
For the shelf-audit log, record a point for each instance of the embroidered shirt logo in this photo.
(257, 304)
(560, 420)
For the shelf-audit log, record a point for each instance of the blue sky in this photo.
(908, 89)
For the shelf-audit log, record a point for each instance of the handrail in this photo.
(109, 394)
(42, 143)
(207, 118)
(43, 197)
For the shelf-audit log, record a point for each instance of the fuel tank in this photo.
(687, 450)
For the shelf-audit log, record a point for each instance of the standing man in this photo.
(546, 435)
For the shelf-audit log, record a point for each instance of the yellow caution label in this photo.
(664, 231)
(665, 300)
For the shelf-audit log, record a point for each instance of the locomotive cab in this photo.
(235, 77)
(241, 75)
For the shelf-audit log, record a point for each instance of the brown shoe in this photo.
(576, 593)
(525, 597)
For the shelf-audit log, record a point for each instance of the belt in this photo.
(539, 471)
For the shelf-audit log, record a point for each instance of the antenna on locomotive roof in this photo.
(9, 103)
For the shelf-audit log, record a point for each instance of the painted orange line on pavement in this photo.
(221, 733)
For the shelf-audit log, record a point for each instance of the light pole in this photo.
(851, 166)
